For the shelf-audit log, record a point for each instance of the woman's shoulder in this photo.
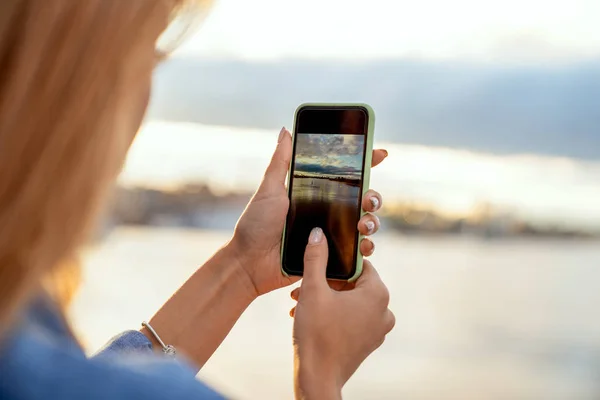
(40, 362)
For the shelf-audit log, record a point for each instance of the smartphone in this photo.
(329, 174)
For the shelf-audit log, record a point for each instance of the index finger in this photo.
(369, 275)
(378, 156)
(372, 283)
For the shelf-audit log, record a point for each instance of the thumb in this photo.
(315, 260)
(280, 163)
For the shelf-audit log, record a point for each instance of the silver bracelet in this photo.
(167, 348)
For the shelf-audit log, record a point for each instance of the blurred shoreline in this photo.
(196, 206)
(542, 191)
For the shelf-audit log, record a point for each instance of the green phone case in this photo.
(366, 177)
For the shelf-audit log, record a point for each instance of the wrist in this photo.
(313, 386)
(210, 302)
(315, 378)
(239, 260)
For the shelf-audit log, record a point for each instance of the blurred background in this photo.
(490, 244)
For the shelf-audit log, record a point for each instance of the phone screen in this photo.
(326, 186)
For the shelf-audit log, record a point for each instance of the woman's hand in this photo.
(257, 238)
(335, 331)
(214, 297)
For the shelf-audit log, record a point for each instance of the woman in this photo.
(74, 85)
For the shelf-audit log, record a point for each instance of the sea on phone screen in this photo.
(326, 194)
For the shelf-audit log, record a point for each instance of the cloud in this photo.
(487, 107)
(329, 154)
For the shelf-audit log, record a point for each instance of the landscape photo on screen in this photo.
(326, 193)
(329, 156)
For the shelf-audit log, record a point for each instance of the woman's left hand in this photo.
(258, 234)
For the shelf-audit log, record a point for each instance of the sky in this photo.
(339, 155)
(553, 190)
(541, 189)
(505, 31)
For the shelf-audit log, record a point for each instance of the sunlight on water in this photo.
(332, 206)
(537, 188)
(325, 190)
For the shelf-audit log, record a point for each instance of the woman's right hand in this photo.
(335, 331)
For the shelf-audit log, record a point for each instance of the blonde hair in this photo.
(72, 80)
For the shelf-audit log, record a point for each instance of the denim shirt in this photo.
(42, 360)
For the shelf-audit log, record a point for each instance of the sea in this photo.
(332, 205)
(476, 318)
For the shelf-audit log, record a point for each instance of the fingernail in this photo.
(386, 153)
(374, 202)
(370, 226)
(281, 134)
(316, 236)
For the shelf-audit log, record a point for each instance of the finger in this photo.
(368, 224)
(295, 294)
(315, 260)
(372, 201)
(378, 156)
(338, 286)
(341, 286)
(293, 312)
(371, 281)
(367, 247)
(369, 276)
(389, 321)
(280, 162)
